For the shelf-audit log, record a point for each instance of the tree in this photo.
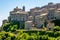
(13, 28)
(9, 38)
(30, 38)
(10, 26)
(6, 26)
(44, 37)
(57, 28)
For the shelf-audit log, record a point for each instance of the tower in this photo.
(23, 8)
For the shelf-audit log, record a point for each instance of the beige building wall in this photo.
(40, 19)
(30, 18)
(19, 16)
(28, 25)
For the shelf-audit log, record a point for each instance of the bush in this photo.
(57, 28)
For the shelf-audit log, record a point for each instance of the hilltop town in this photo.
(37, 17)
(40, 23)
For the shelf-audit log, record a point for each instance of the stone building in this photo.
(5, 21)
(36, 16)
(30, 18)
(39, 20)
(18, 15)
(28, 25)
(57, 14)
(50, 26)
(51, 13)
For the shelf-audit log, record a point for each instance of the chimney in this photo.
(23, 8)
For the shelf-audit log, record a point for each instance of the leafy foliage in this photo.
(57, 28)
(11, 31)
(24, 35)
(12, 26)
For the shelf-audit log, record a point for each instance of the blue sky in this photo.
(8, 5)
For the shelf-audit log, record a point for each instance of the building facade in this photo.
(36, 16)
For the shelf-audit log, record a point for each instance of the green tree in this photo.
(6, 26)
(57, 28)
(44, 37)
(9, 38)
(30, 38)
(11, 26)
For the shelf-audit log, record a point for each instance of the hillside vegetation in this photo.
(11, 31)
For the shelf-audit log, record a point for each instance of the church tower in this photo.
(23, 8)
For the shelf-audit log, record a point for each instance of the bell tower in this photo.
(23, 8)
